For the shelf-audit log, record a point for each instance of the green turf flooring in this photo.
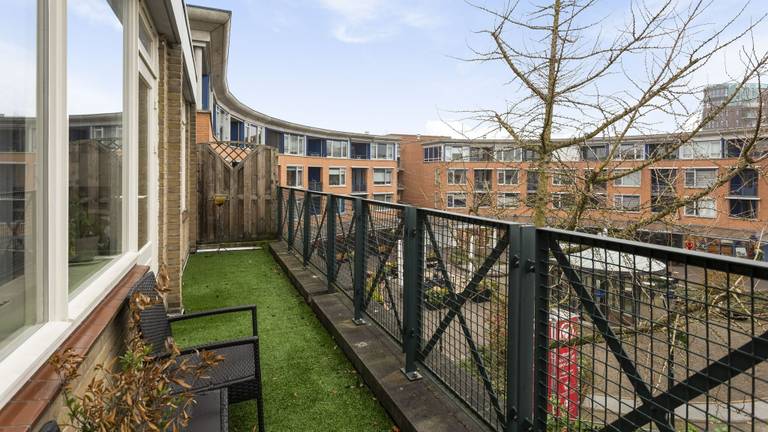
(309, 385)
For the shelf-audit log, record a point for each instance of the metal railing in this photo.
(541, 329)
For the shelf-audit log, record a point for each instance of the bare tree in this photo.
(565, 66)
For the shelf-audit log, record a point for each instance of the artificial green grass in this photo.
(309, 385)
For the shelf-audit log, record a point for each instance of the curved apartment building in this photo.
(308, 157)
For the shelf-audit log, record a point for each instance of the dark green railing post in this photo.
(361, 237)
(307, 228)
(520, 327)
(291, 218)
(280, 211)
(330, 241)
(541, 294)
(413, 261)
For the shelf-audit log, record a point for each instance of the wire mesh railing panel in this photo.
(345, 244)
(646, 339)
(383, 287)
(464, 310)
(285, 200)
(298, 222)
(318, 231)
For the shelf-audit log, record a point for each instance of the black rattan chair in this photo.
(239, 372)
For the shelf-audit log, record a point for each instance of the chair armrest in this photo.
(216, 345)
(220, 311)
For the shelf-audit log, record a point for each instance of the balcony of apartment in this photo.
(359, 180)
(360, 150)
(315, 147)
(458, 327)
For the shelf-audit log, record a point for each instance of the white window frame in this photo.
(636, 151)
(341, 145)
(450, 199)
(508, 154)
(300, 146)
(389, 152)
(61, 313)
(387, 176)
(501, 174)
(695, 172)
(693, 209)
(341, 172)
(451, 176)
(568, 175)
(622, 207)
(705, 149)
(297, 169)
(502, 197)
(558, 203)
(450, 152)
(621, 181)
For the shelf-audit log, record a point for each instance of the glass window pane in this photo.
(19, 179)
(144, 117)
(95, 105)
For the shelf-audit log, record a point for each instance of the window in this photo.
(337, 176)
(743, 208)
(457, 176)
(744, 183)
(456, 153)
(432, 154)
(563, 178)
(382, 176)
(480, 154)
(437, 176)
(145, 110)
(594, 153)
(631, 151)
(627, 179)
(663, 181)
(704, 207)
(508, 200)
(294, 176)
(700, 177)
(509, 154)
(295, 144)
(438, 200)
(20, 301)
(562, 200)
(630, 203)
(337, 148)
(507, 176)
(662, 202)
(711, 149)
(383, 151)
(95, 141)
(532, 180)
(482, 199)
(483, 179)
(457, 200)
(387, 197)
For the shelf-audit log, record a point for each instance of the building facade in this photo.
(741, 112)
(95, 175)
(308, 157)
(494, 178)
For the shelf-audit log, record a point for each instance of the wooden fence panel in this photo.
(237, 187)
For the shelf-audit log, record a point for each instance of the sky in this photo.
(378, 66)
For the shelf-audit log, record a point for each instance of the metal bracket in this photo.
(412, 376)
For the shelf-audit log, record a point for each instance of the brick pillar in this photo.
(171, 103)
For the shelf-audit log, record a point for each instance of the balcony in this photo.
(315, 390)
(359, 187)
(449, 288)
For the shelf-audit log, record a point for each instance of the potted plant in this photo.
(137, 391)
(83, 233)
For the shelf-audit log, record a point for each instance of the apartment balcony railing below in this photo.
(542, 329)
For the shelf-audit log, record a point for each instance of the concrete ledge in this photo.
(414, 406)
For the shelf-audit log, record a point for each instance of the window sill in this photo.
(30, 383)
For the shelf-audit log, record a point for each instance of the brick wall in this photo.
(174, 223)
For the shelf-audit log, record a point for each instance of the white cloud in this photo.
(97, 12)
(459, 129)
(362, 21)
